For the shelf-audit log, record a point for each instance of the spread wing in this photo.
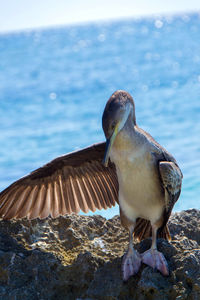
(171, 177)
(70, 183)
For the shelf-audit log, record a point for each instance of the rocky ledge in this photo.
(79, 257)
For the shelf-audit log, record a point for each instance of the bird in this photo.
(130, 168)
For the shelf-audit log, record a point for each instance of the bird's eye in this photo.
(113, 126)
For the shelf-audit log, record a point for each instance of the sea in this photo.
(54, 84)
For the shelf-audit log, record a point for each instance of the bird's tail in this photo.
(143, 230)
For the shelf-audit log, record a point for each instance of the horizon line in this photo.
(101, 20)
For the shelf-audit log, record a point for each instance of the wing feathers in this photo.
(64, 204)
(32, 202)
(171, 178)
(26, 204)
(109, 185)
(85, 190)
(89, 183)
(6, 200)
(25, 194)
(57, 196)
(99, 189)
(106, 185)
(74, 182)
(12, 208)
(45, 210)
(115, 184)
(37, 204)
(78, 193)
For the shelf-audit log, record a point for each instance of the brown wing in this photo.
(171, 177)
(170, 173)
(70, 183)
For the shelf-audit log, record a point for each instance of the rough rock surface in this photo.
(79, 257)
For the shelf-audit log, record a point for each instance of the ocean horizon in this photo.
(54, 84)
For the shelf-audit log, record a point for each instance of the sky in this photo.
(25, 14)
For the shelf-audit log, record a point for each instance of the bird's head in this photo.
(119, 109)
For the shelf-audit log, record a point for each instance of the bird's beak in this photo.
(109, 143)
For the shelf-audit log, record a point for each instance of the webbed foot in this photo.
(156, 260)
(130, 264)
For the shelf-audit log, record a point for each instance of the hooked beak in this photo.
(109, 143)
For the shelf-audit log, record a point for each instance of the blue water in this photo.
(54, 84)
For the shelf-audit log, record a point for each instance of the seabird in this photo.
(131, 168)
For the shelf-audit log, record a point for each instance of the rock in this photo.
(79, 257)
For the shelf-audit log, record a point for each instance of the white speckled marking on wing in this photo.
(172, 179)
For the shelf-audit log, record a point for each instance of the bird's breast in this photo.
(140, 191)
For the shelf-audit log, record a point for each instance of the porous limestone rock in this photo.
(79, 257)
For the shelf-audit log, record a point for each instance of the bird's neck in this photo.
(127, 137)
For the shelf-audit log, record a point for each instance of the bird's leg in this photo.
(153, 257)
(131, 260)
